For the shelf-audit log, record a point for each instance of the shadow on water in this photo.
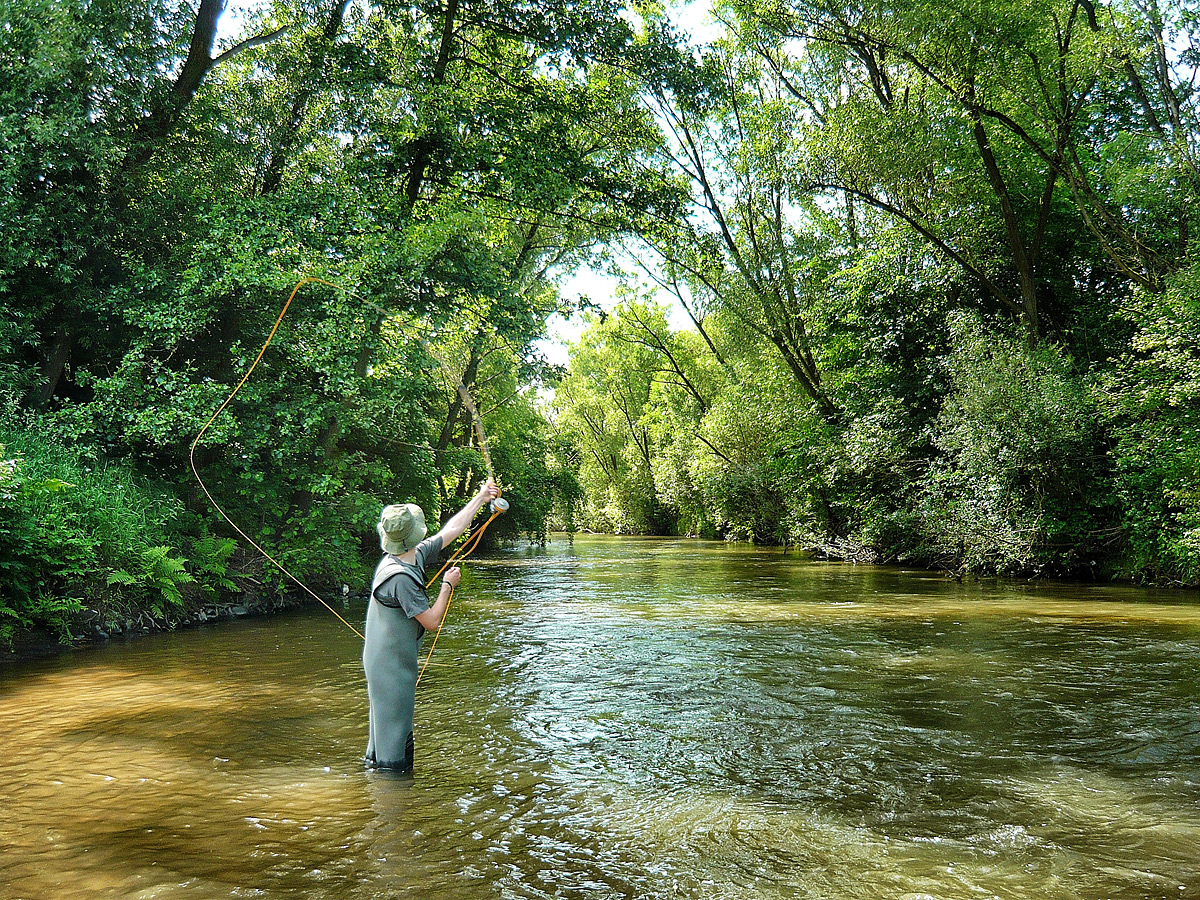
(630, 718)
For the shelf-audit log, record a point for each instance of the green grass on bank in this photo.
(78, 534)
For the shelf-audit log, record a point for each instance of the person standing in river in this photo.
(398, 615)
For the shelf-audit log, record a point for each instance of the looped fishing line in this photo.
(461, 554)
(192, 456)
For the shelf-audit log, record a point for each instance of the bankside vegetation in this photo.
(938, 262)
(169, 174)
(944, 290)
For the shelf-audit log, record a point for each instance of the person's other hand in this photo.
(453, 577)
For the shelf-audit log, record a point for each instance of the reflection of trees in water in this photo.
(710, 717)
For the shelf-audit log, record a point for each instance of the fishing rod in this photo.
(498, 505)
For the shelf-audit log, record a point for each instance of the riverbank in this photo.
(92, 627)
(95, 626)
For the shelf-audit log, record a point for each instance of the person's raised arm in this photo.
(461, 520)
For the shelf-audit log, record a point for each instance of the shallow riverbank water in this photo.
(632, 718)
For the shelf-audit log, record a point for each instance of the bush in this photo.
(74, 532)
(1151, 400)
(25, 560)
(1018, 487)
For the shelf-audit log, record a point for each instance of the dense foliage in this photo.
(170, 174)
(943, 288)
(938, 264)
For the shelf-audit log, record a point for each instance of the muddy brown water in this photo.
(624, 718)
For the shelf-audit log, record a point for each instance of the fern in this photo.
(211, 562)
(8, 629)
(56, 613)
(163, 574)
(157, 580)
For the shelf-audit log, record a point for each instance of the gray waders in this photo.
(390, 663)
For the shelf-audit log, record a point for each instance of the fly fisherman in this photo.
(398, 615)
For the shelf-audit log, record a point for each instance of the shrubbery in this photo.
(76, 533)
(976, 453)
(1019, 486)
(1150, 401)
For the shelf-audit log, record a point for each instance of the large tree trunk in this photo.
(52, 368)
(165, 115)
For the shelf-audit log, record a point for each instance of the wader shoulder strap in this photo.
(388, 567)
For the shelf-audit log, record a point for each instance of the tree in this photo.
(750, 246)
(601, 404)
(953, 116)
(439, 164)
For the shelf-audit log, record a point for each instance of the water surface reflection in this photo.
(625, 718)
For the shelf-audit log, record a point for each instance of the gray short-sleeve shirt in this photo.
(406, 590)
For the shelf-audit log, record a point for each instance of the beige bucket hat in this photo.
(401, 527)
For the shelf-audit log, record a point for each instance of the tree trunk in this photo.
(163, 118)
(52, 369)
(470, 374)
(1012, 229)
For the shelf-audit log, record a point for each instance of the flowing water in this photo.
(636, 719)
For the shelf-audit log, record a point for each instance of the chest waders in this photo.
(390, 664)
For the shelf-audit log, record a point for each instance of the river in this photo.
(629, 718)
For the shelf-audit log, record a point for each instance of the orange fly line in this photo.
(192, 455)
(461, 554)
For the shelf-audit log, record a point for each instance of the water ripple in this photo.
(615, 719)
